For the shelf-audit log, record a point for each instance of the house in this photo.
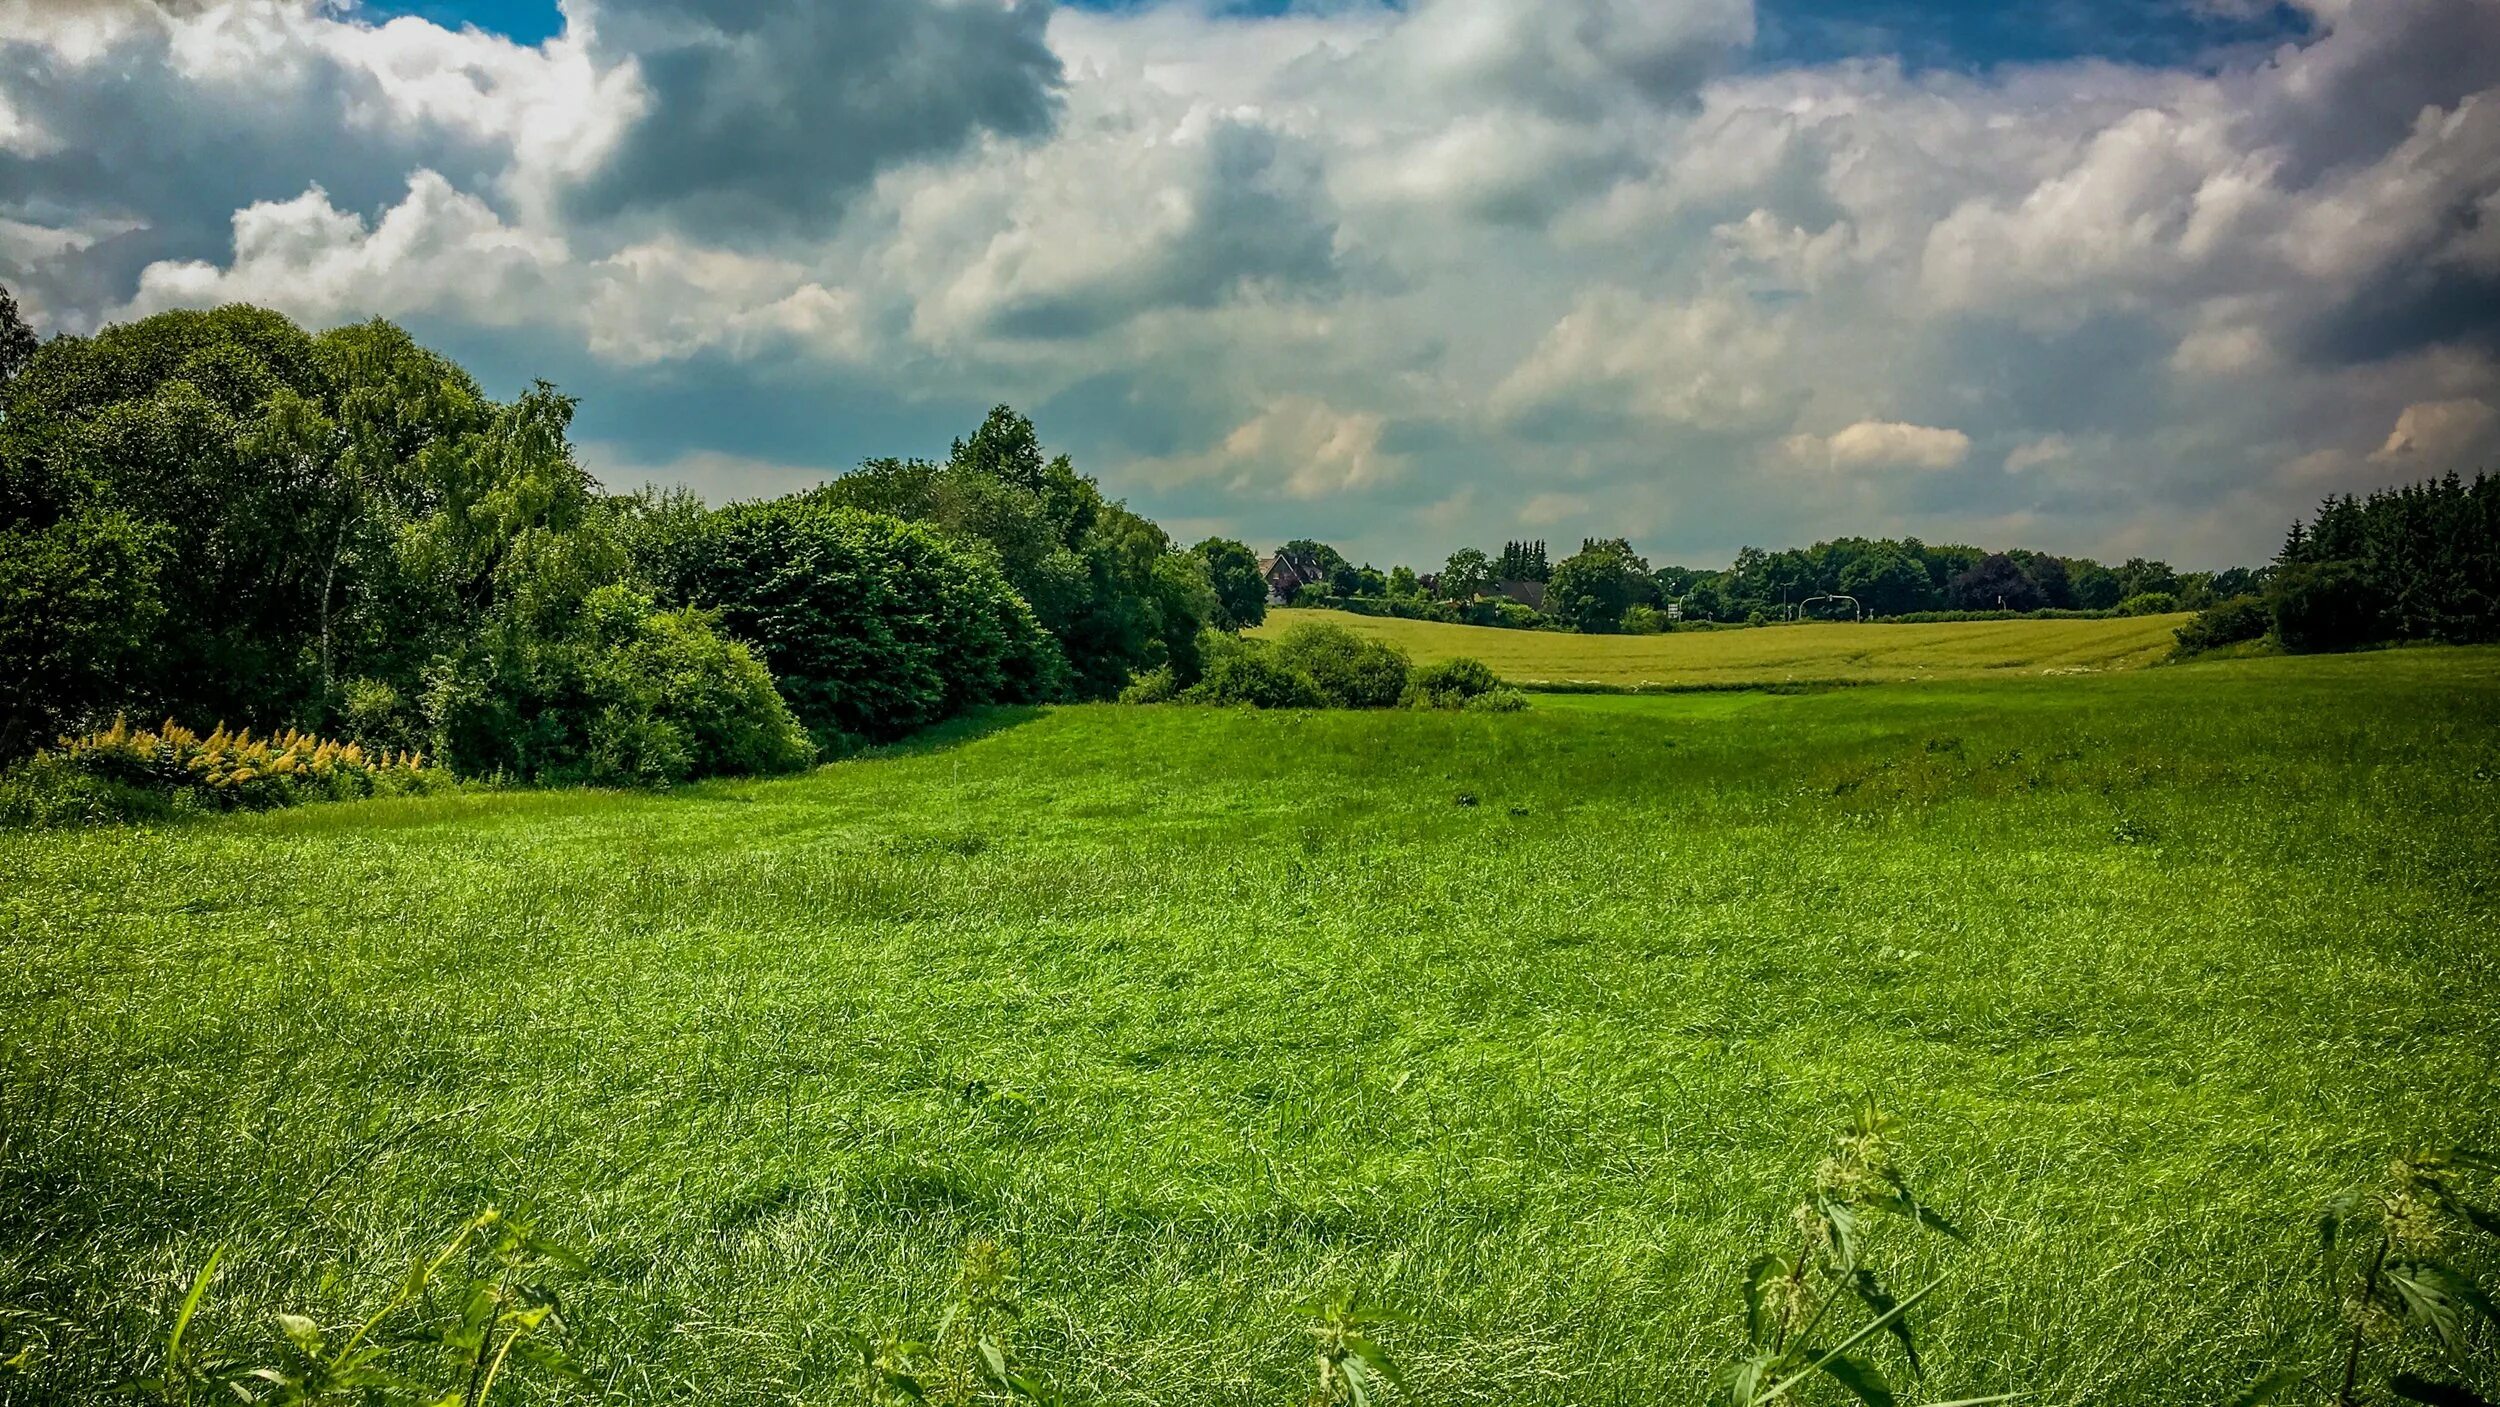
(1288, 573)
(1530, 594)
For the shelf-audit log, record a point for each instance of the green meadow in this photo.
(1534, 1025)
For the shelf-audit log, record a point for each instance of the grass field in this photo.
(1785, 655)
(1205, 1012)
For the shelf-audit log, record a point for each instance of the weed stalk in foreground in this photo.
(455, 1324)
(1798, 1303)
(2388, 1255)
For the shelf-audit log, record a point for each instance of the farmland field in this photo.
(1534, 1024)
(1786, 655)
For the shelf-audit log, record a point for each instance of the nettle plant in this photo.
(969, 1359)
(1350, 1364)
(1819, 1311)
(2395, 1255)
(457, 1322)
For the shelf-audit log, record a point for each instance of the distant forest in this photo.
(2421, 562)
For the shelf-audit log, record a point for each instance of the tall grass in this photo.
(1211, 1015)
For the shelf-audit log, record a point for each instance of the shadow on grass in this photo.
(954, 732)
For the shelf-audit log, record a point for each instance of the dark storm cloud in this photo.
(2351, 100)
(767, 116)
(134, 141)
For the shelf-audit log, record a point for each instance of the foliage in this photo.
(122, 771)
(17, 340)
(1250, 673)
(870, 626)
(2150, 603)
(969, 1357)
(1593, 587)
(1466, 575)
(1996, 582)
(2230, 622)
(622, 694)
(1157, 685)
(1448, 683)
(78, 614)
(2420, 562)
(1349, 1362)
(1790, 1296)
(1094, 573)
(2399, 1258)
(1240, 590)
(454, 1326)
(2329, 605)
(1350, 670)
(1501, 700)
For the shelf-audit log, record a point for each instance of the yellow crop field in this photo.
(1785, 654)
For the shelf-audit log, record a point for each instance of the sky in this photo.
(2107, 277)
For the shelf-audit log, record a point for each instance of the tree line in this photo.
(218, 517)
(1608, 586)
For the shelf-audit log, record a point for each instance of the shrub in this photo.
(1646, 620)
(2225, 623)
(1253, 675)
(125, 772)
(2149, 603)
(1450, 683)
(871, 626)
(1157, 685)
(1352, 671)
(631, 696)
(2325, 606)
(1502, 700)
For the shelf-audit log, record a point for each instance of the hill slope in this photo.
(1789, 654)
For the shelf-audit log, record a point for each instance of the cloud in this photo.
(1298, 448)
(1881, 445)
(1405, 274)
(2437, 435)
(770, 116)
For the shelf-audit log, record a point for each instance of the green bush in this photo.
(1350, 670)
(2229, 622)
(1252, 674)
(1502, 700)
(2149, 603)
(1450, 683)
(871, 626)
(631, 696)
(2329, 605)
(1157, 685)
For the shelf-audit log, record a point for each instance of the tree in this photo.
(2049, 577)
(2096, 587)
(17, 340)
(1087, 565)
(1996, 583)
(2141, 577)
(1004, 448)
(1403, 584)
(871, 626)
(1315, 557)
(1888, 583)
(1240, 590)
(1467, 575)
(1592, 588)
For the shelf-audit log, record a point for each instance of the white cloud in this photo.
(1879, 445)
(2439, 435)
